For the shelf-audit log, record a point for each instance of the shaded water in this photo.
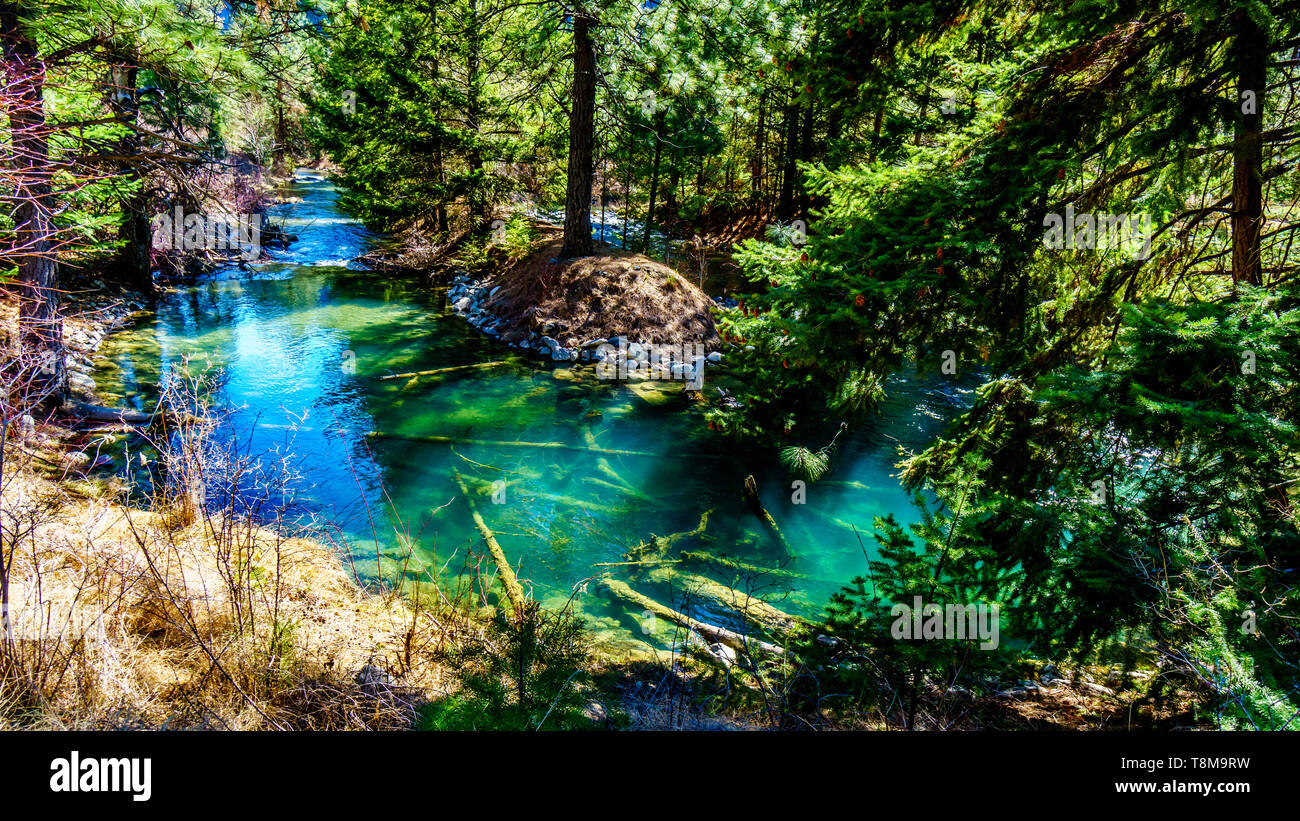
(303, 340)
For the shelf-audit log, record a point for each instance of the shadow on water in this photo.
(302, 346)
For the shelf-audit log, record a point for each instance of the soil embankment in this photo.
(565, 309)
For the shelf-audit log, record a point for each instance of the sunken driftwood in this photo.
(750, 607)
(99, 413)
(505, 572)
(709, 632)
(769, 524)
(438, 371)
(492, 443)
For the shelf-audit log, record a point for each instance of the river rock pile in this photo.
(469, 298)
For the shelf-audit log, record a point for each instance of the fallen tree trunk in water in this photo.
(751, 608)
(99, 413)
(769, 524)
(659, 545)
(492, 443)
(436, 371)
(710, 632)
(725, 565)
(506, 573)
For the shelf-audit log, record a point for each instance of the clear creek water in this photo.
(302, 341)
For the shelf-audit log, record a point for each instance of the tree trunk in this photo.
(40, 328)
(1248, 152)
(280, 157)
(654, 179)
(756, 168)
(806, 155)
(439, 176)
(582, 125)
(785, 204)
(627, 185)
(478, 205)
(124, 99)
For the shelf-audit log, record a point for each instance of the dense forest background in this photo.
(884, 178)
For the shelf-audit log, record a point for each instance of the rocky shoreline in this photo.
(636, 360)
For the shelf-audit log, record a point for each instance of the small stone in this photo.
(715, 357)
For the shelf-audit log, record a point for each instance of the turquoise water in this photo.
(302, 341)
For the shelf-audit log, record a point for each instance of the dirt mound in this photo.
(615, 293)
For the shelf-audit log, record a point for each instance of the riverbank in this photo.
(124, 617)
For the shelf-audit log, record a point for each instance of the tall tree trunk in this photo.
(1252, 52)
(654, 179)
(876, 126)
(806, 155)
(627, 185)
(40, 328)
(478, 205)
(582, 126)
(124, 100)
(439, 176)
(756, 168)
(280, 157)
(785, 204)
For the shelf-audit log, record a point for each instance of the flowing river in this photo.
(302, 341)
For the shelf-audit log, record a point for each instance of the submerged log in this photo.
(99, 413)
(769, 524)
(750, 607)
(505, 572)
(710, 632)
(437, 371)
(726, 565)
(657, 546)
(602, 464)
(493, 443)
(834, 520)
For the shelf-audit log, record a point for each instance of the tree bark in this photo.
(785, 203)
(40, 327)
(478, 204)
(1248, 152)
(756, 168)
(654, 179)
(582, 126)
(124, 96)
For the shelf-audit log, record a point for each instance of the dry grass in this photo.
(120, 617)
